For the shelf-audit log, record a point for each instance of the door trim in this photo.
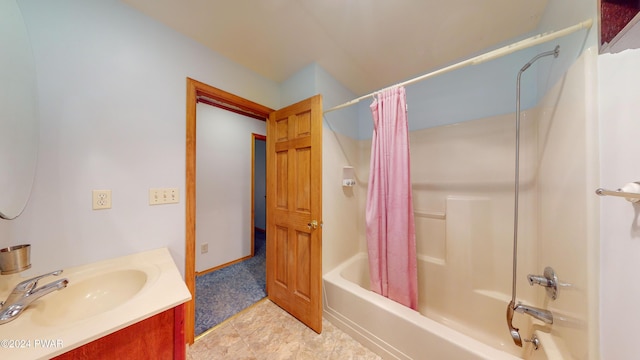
(228, 101)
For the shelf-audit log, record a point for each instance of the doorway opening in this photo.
(294, 201)
(230, 214)
(200, 92)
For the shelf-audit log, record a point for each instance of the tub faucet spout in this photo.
(25, 293)
(540, 314)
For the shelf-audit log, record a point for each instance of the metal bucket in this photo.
(15, 259)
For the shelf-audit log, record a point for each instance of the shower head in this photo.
(514, 331)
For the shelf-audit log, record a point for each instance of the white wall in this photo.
(340, 148)
(619, 86)
(112, 90)
(340, 236)
(223, 185)
(300, 85)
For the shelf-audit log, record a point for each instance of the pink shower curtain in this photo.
(391, 236)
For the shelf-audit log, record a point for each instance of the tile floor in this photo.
(265, 331)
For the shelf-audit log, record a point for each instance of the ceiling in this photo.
(364, 44)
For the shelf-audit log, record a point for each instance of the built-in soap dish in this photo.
(14, 259)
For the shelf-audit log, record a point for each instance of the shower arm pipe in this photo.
(505, 50)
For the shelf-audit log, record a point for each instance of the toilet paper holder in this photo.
(623, 192)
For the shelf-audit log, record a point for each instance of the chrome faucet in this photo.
(25, 293)
(549, 280)
(540, 314)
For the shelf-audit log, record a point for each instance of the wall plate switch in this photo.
(159, 196)
(101, 199)
(172, 195)
(155, 196)
(204, 248)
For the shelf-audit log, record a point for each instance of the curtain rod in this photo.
(505, 50)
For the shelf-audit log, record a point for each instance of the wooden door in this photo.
(294, 210)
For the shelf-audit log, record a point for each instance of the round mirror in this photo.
(18, 116)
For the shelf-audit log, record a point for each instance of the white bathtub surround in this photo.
(390, 329)
(151, 284)
(550, 347)
(395, 332)
(462, 178)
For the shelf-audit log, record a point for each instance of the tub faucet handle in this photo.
(540, 280)
(549, 280)
(30, 284)
(514, 331)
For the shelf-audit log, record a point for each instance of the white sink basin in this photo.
(89, 296)
(101, 298)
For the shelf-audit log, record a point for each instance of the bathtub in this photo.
(396, 332)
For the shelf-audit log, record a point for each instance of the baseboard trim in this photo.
(204, 272)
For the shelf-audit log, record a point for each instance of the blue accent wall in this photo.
(476, 91)
(473, 92)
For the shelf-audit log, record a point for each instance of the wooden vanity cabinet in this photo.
(158, 337)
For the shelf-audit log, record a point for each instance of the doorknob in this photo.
(313, 224)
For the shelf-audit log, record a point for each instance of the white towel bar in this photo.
(630, 196)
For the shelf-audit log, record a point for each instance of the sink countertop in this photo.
(28, 337)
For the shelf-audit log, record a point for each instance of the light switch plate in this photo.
(159, 196)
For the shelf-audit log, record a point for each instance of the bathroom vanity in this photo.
(128, 307)
(158, 337)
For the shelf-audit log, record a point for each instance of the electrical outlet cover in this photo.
(101, 199)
